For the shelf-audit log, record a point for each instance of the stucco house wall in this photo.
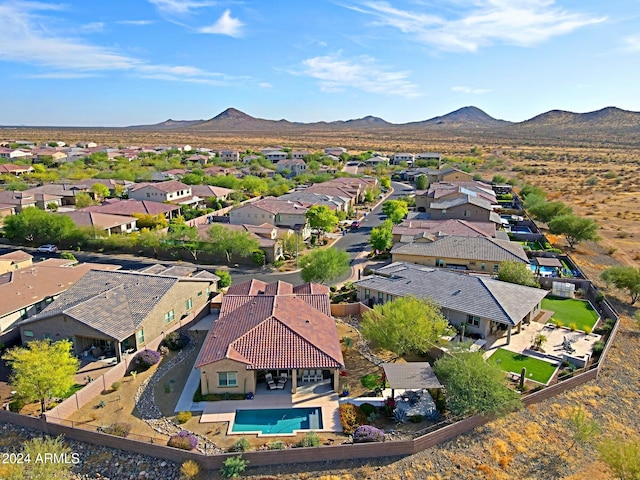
(209, 377)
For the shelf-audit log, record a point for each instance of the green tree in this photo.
(42, 370)
(150, 221)
(385, 182)
(35, 449)
(516, 272)
(396, 210)
(473, 386)
(33, 225)
(622, 456)
(575, 229)
(625, 278)
(324, 265)
(153, 239)
(225, 278)
(528, 190)
(255, 186)
(186, 237)
(583, 429)
(101, 191)
(421, 182)
(547, 211)
(291, 243)
(382, 236)
(231, 242)
(403, 325)
(321, 218)
(83, 199)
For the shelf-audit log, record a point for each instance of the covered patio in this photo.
(411, 382)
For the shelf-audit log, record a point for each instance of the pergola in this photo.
(546, 262)
(410, 376)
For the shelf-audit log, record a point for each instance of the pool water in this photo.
(277, 420)
(521, 229)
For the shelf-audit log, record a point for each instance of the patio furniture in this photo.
(282, 381)
(318, 376)
(306, 376)
(271, 385)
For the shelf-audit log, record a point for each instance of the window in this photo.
(473, 320)
(389, 297)
(28, 333)
(439, 262)
(380, 297)
(148, 194)
(367, 293)
(199, 294)
(483, 266)
(140, 337)
(227, 379)
(47, 336)
(169, 316)
(208, 291)
(23, 314)
(188, 304)
(467, 213)
(495, 268)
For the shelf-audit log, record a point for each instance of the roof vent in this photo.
(457, 292)
(307, 321)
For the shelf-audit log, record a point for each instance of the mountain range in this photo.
(607, 120)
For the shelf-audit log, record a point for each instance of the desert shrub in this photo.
(591, 181)
(278, 263)
(415, 418)
(241, 445)
(311, 439)
(115, 386)
(225, 278)
(189, 470)
(146, 358)
(371, 381)
(232, 467)
(368, 409)
(184, 417)
(351, 417)
(17, 404)
(176, 340)
(68, 256)
(119, 429)
(573, 327)
(183, 440)
(389, 406)
(587, 329)
(555, 321)
(400, 415)
(598, 347)
(258, 257)
(367, 433)
(277, 445)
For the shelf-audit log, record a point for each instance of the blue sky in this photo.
(127, 62)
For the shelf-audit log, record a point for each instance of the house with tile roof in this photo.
(17, 170)
(25, 292)
(410, 229)
(211, 191)
(6, 209)
(172, 191)
(443, 191)
(281, 213)
(467, 207)
(19, 200)
(130, 208)
(270, 328)
(295, 166)
(480, 254)
(15, 260)
(269, 237)
(102, 222)
(486, 306)
(122, 311)
(338, 204)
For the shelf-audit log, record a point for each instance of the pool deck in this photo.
(310, 396)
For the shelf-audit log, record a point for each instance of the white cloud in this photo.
(64, 56)
(265, 85)
(225, 25)
(135, 22)
(336, 74)
(92, 27)
(471, 24)
(632, 43)
(465, 89)
(180, 7)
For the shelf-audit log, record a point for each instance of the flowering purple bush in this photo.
(367, 433)
(146, 358)
(183, 440)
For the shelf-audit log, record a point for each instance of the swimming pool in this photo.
(544, 271)
(521, 229)
(277, 421)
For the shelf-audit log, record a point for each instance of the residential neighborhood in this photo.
(227, 259)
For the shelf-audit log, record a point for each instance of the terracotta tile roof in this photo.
(130, 207)
(167, 187)
(205, 191)
(250, 287)
(96, 219)
(446, 227)
(310, 288)
(276, 206)
(16, 256)
(274, 331)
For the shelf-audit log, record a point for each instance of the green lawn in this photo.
(569, 310)
(537, 370)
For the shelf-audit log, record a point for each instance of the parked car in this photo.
(47, 249)
(355, 224)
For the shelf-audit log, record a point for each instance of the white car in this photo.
(47, 249)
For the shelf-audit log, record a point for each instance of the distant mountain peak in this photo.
(233, 114)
